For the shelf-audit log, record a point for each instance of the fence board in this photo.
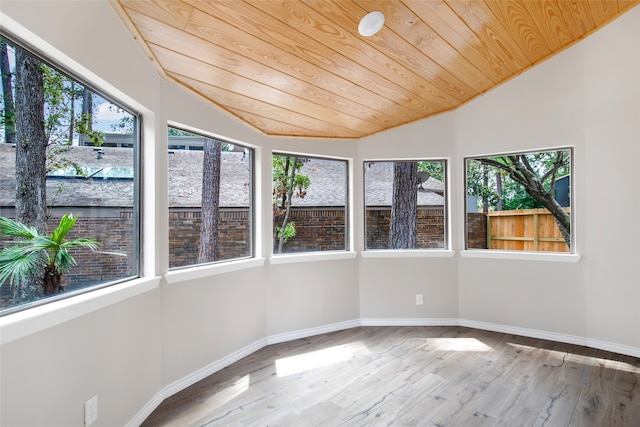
(525, 230)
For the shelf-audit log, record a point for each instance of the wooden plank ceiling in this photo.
(300, 68)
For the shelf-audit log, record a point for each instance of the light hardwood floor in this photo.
(414, 376)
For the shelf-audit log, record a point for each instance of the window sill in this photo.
(198, 272)
(309, 257)
(23, 323)
(408, 253)
(522, 256)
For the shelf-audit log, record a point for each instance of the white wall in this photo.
(587, 97)
(388, 286)
(135, 346)
(140, 344)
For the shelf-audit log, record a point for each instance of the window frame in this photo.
(306, 256)
(184, 272)
(51, 304)
(569, 257)
(446, 250)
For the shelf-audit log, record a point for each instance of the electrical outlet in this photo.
(419, 299)
(91, 410)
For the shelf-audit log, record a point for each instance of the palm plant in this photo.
(46, 258)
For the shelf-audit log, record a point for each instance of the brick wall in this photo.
(184, 236)
(476, 230)
(113, 260)
(317, 230)
(431, 228)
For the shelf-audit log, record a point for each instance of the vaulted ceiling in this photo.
(300, 68)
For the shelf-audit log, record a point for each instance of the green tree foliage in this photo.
(288, 182)
(46, 257)
(528, 181)
(434, 168)
(45, 122)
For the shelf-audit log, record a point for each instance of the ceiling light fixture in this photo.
(371, 23)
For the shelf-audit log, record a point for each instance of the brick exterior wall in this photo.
(431, 228)
(113, 260)
(184, 236)
(476, 230)
(317, 230)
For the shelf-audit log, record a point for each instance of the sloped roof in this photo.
(328, 181)
(75, 192)
(379, 186)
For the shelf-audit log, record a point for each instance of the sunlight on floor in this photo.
(231, 392)
(317, 359)
(458, 344)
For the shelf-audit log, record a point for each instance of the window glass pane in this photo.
(309, 204)
(210, 200)
(65, 152)
(405, 204)
(520, 201)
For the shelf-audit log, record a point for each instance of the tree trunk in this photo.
(485, 184)
(87, 106)
(208, 250)
(52, 281)
(31, 148)
(499, 190)
(72, 112)
(31, 144)
(7, 94)
(87, 111)
(292, 163)
(404, 205)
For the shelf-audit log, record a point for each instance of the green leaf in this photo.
(16, 267)
(9, 227)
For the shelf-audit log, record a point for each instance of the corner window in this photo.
(405, 204)
(309, 204)
(520, 201)
(210, 200)
(68, 184)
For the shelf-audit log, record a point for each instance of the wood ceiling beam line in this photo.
(339, 38)
(256, 50)
(226, 98)
(402, 21)
(437, 15)
(397, 50)
(262, 25)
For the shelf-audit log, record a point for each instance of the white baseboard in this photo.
(525, 332)
(204, 372)
(613, 347)
(193, 378)
(409, 322)
(553, 336)
(214, 367)
(309, 332)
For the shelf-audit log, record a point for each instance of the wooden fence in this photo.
(525, 230)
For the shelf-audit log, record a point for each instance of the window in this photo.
(210, 200)
(520, 201)
(405, 204)
(68, 161)
(309, 204)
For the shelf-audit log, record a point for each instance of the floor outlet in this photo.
(419, 299)
(91, 410)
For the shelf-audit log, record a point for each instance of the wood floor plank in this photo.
(414, 376)
(560, 406)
